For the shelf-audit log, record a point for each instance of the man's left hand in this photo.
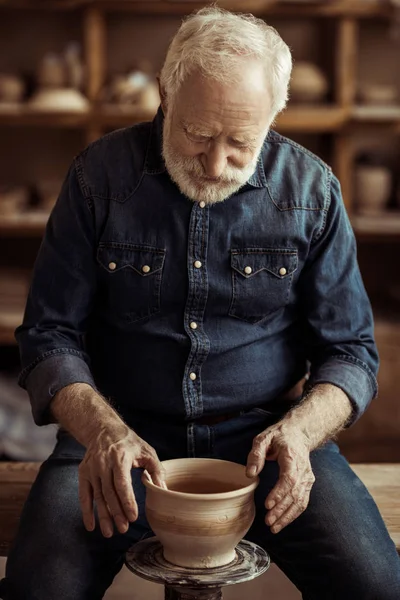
(290, 496)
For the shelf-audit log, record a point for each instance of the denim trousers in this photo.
(338, 548)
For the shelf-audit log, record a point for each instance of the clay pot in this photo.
(308, 83)
(62, 100)
(378, 94)
(12, 88)
(205, 512)
(373, 187)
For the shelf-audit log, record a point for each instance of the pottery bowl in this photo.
(205, 512)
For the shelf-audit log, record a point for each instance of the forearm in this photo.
(321, 415)
(84, 413)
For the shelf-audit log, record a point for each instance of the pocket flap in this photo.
(250, 261)
(145, 260)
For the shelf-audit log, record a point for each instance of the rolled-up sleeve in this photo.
(51, 337)
(339, 332)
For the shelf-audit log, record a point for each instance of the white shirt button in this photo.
(146, 269)
(112, 266)
(198, 264)
(282, 271)
(248, 270)
(193, 376)
(202, 204)
(193, 325)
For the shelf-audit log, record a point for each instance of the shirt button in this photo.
(282, 271)
(193, 376)
(112, 266)
(202, 204)
(193, 325)
(248, 270)
(146, 269)
(198, 264)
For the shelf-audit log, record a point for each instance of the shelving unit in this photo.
(336, 121)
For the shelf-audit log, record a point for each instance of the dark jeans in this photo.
(337, 549)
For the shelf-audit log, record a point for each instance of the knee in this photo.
(376, 578)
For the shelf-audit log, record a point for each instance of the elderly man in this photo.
(191, 271)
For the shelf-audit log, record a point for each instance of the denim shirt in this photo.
(173, 309)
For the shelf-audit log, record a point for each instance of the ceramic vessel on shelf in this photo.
(12, 88)
(373, 180)
(308, 83)
(375, 94)
(205, 512)
(62, 100)
(13, 200)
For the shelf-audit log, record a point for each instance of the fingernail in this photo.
(123, 526)
(251, 471)
(107, 532)
(271, 504)
(276, 529)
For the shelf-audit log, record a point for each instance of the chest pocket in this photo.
(261, 281)
(132, 279)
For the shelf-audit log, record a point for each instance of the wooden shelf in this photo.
(312, 119)
(302, 118)
(23, 225)
(381, 225)
(325, 8)
(376, 114)
(24, 116)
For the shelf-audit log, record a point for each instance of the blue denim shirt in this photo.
(176, 310)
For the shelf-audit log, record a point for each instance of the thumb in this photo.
(156, 472)
(257, 455)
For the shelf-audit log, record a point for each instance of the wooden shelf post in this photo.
(346, 57)
(95, 37)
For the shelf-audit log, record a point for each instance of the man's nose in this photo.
(215, 161)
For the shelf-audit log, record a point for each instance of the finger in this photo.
(105, 520)
(114, 507)
(278, 510)
(86, 502)
(294, 511)
(124, 490)
(256, 457)
(284, 486)
(156, 470)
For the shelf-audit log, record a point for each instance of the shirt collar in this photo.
(155, 165)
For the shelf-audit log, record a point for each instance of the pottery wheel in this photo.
(146, 560)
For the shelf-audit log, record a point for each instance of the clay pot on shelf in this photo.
(12, 89)
(378, 95)
(13, 200)
(308, 83)
(373, 180)
(205, 512)
(59, 100)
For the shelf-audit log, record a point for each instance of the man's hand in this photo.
(105, 477)
(291, 494)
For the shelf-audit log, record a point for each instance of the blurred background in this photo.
(71, 71)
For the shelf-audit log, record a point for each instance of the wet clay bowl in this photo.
(205, 512)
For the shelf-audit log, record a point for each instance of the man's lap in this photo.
(338, 548)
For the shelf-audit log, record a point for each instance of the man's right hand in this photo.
(105, 477)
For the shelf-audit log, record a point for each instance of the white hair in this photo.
(213, 40)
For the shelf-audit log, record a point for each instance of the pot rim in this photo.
(148, 482)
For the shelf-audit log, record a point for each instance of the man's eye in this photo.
(193, 137)
(241, 145)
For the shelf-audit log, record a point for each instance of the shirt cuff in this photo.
(51, 375)
(350, 375)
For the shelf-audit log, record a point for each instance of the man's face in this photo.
(213, 133)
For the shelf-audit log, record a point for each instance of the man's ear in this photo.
(162, 96)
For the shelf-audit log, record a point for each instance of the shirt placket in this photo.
(195, 308)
